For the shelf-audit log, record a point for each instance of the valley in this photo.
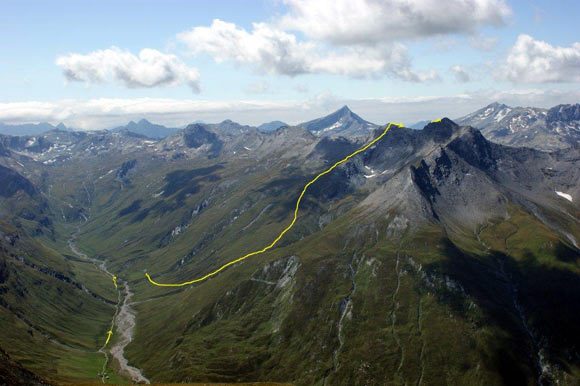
(433, 257)
(122, 323)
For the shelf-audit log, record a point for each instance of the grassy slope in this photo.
(440, 314)
(55, 327)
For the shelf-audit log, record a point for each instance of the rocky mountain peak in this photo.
(341, 122)
(441, 129)
(344, 110)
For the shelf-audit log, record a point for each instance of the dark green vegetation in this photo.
(435, 258)
(12, 373)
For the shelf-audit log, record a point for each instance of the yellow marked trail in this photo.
(345, 159)
(109, 333)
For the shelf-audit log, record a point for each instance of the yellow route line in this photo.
(109, 333)
(288, 227)
(436, 120)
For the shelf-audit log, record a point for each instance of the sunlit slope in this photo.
(349, 304)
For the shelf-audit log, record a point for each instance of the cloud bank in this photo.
(370, 22)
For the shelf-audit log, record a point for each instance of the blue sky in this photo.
(450, 65)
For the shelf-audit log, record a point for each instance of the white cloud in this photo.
(461, 74)
(106, 113)
(273, 51)
(536, 61)
(150, 69)
(348, 22)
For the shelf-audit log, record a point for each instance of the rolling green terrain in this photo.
(435, 258)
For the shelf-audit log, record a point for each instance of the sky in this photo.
(99, 64)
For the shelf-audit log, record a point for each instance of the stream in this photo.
(122, 324)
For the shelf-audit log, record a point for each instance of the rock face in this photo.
(34, 144)
(197, 135)
(342, 122)
(556, 128)
(12, 182)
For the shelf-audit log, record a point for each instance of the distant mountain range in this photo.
(29, 128)
(419, 125)
(544, 129)
(146, 129)
(271, 126)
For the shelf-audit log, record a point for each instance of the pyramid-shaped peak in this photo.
(144, 122)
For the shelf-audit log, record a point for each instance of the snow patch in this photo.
(332, 127)
(565, 195)
(501, 115)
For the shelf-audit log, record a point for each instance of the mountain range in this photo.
(545, 129)
(146, 129)
(438, 256)
(29, 128)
